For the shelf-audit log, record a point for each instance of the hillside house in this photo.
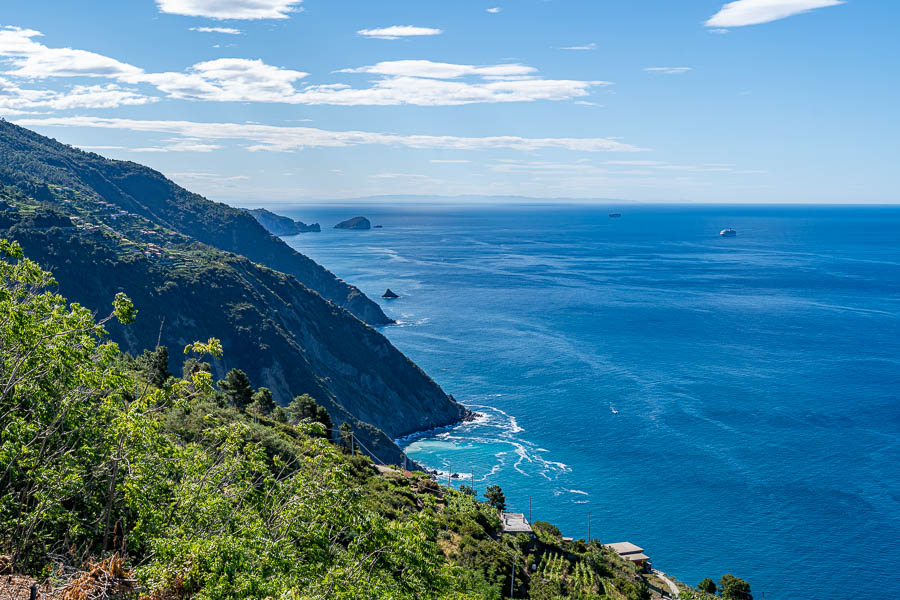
(630, 552)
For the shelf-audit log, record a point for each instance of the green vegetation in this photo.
(734, 588)
(729, 588)
(707, 586)
(495, 497)
(175, 490)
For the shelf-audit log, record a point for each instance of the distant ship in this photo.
(728, 232)
(615, 215)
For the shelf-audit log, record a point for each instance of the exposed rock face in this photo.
(280, 225)
(389, 294)
(360, 223)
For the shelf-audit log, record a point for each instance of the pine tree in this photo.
(237, 389)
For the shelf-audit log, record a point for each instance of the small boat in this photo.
(615, 215)
(728, 232)
(613, 409)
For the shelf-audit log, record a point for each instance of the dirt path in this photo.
(672, 587)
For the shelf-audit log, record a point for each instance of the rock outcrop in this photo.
(360, 223)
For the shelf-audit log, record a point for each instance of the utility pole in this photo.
(589, 527)
(449, 474)
(512, 578)
(529, 510)
(474, 491)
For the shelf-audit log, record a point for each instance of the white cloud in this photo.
(17, 100)
(494, 10)
(32, 59)
(226, 30)
(289, 139)
(231, 9)
(416, 82)
(590, 46)
(754, 12)
(439, 70)
(397, 31)
(669, 70)
(228, 80)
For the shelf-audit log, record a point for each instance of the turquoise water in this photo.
(731, 405)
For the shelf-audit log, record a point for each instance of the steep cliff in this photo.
(284, 335)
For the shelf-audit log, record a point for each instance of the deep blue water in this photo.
(756, 379)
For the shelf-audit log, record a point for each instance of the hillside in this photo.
(121, 480)
(284, 335)
(148, 193)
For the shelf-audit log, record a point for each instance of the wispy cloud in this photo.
(448, 161)
(226, 30)
(289, 139)
(399, 31)
(669, 70)
(231, 9)
(590, 46)
(754, 12)
(494, 10)
(439, 70)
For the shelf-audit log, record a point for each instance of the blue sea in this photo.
(732, 405)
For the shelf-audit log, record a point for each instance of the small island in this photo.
(359, 223)
(389, 294)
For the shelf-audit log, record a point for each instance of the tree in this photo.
(495, 497)
(468, 490)
(192, 366)
(546, 528)
(237, 389)
(346, 437)
(279, 415)
(262, 402)
(734, 588)
(306, 407)
(707, 586)
(155, 364)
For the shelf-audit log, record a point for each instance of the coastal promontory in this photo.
(279, 225)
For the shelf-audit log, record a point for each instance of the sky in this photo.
(266, 102)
